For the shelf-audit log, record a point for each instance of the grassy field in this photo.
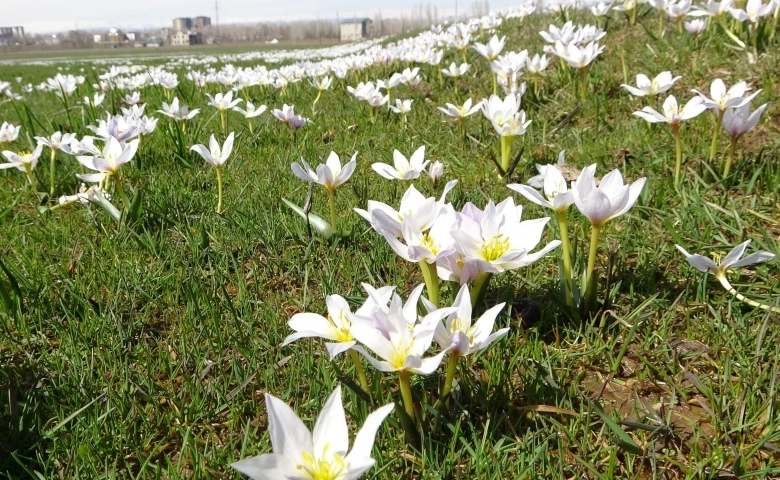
(143, 350)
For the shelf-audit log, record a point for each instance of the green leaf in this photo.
(623, 439)
(318, 223)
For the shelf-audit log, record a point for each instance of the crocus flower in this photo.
(461, 112)
(754, 10)
(651, 88)
(251, 111)
(180, 113)
(435, 171)
(600, 204)
(673, 115)
(223, 102)
(329, 174)
(55, 142)
(732, 260)
(737, 122)
(455, 71)
(403, 169)
(9, 132)
(299, 453)
(25, 162)
(216, 156)
(696, 26)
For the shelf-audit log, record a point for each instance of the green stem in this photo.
(121, 189)
(314, 104)
(479, 288)
(661, 22)
(223, 115)
(563, 224)
(406, 392)
(31, 178)
(730, 158)
(714, 144)
(219, 189)
(724, 281)
(452, 366)
(463, 127)
(536, 84)
(332, 203)
(506, 152)
(431, 278)
(251, 127)
(678, 152)
(359, 369)
(51, 174)
(583, 83)
(590, 277)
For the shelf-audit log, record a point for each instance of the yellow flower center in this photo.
(342, 324)
(459, 325)
(430, 244)
(333, 468)
(400, 352)
(495, 248)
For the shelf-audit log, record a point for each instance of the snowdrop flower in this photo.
(732, 260)
(737, 122)
(216, 156)
(299, 453)
(651, 88)
(403, 169)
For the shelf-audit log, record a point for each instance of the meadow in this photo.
(140, 342)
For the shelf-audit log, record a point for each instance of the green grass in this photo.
(144, 350)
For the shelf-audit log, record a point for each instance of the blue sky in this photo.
(41, 16)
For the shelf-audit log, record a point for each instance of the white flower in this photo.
(739, 121)
(301, 454)
(557, 196)
(404, 106)
(403, 169)
(646, 87)
(723, 99)
(251, 111)
(672, 114)
(731, 260)
(461, 111)
(215, 154)
(459, 336)
(223, 102)
(609, 200)
(329, 174)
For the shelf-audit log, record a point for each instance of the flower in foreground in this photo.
(460, 337)
(180, 113)
(732, 260)
(400, 341)
(558, 198)
(600, 204)
(403, 168)
(216, 156)
(56, 142)
(318, 455)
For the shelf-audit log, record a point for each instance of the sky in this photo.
(47, 16)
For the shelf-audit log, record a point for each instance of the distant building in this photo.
(10, 35)
(182, 24)
(115, 36)
(355, 28)
(186, 38)
(132, 36)
(97, 38)
(201, 22)
(153, 42)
